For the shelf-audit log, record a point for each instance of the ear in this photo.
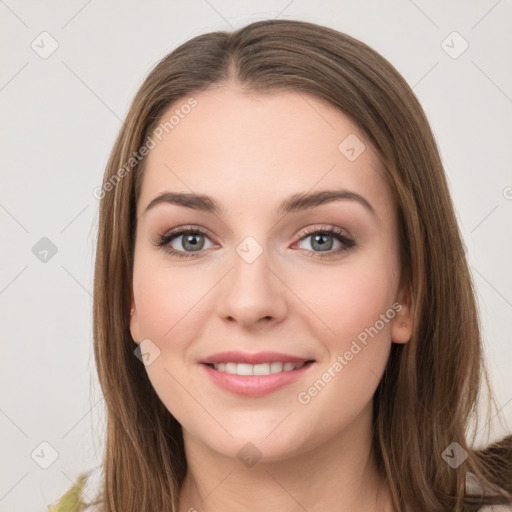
(403, 322)
(134, 321)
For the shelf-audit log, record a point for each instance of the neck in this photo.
(339, 474)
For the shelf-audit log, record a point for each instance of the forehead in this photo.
(254, 149)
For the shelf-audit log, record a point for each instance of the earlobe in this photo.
(134, 322)
(403, 322)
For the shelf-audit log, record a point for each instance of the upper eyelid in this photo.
(182, 230)
(177, 231)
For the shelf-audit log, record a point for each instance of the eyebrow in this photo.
(295, 203)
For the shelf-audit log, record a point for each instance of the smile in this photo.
(255, 380)
(257, 369)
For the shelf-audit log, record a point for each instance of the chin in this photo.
(256, 446)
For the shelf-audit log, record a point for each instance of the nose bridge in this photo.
(252, 291)
(251, 274)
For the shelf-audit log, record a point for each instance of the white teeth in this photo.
(276, 367)
(230, 367)
(257, 369)
(244, 369)
(261, 369)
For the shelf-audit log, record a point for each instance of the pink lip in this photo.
(253, 358)
(254, 385)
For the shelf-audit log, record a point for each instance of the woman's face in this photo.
(266, 283)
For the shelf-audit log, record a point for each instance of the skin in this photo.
(249, 152)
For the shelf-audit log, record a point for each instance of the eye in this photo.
(323, 240)
(191, 239)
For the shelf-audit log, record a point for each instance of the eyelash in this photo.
(165, 239)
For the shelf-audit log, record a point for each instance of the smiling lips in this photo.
(254, 374)
(257, 369)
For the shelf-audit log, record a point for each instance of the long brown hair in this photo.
(430, 389)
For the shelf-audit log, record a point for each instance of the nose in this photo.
(253, 293)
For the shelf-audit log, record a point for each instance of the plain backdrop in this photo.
(60, 115)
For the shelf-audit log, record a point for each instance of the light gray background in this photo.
(60, 117)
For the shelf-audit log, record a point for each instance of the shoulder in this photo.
(84, 495)
(496, 508)
(473, 485)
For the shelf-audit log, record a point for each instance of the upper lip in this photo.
(253, 358)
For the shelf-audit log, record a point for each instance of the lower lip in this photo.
(254, 385)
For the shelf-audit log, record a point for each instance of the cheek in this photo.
(356, 305)
(349, 299)
(166, 298)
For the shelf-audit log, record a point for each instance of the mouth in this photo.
(268, 368)
(255, 374)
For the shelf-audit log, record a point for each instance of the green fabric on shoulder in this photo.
(72, 500)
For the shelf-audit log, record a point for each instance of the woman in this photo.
(283, 312)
